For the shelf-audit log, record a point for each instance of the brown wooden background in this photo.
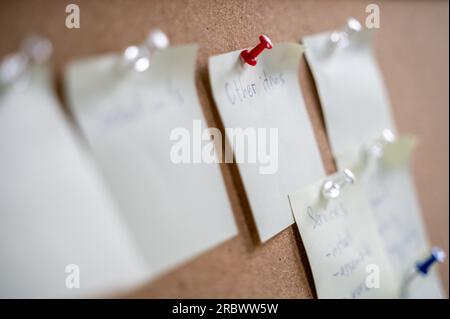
(413, 53)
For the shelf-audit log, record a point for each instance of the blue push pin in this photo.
(421, 268)
(437, 255)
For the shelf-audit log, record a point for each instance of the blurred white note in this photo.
(267, 98)
(174, 211)
(356, 110)
(344, 250)
(54, 208)
(351, 90)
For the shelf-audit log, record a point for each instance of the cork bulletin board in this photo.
(412, 50)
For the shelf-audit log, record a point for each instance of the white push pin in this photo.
(35, 50)
(376, 149)
(12, 68)
(332, 188)
(138, 57)
(157, 39)
(342, 38)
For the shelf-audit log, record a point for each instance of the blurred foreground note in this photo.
(175, 211)
(59, 227)
(344, 250)
(265, 102)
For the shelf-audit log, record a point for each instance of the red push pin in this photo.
(250, 56)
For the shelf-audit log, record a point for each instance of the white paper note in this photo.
(356, 110)
(54, 208)
(175, 211)
(344, 250)
(266, 97)
(392, 198)
(351, 90)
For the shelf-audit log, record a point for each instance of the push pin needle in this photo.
(250, 56)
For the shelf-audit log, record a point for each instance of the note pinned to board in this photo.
(265, 102)
(396, 212)
(357, 111)
(351, 90)
(174, 210)
(59, 226)
(344, 250)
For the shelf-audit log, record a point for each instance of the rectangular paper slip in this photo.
(174, 210)
(356, 110)
(344, 250)
(397, 215)
(351, 90)
(55, 210)
(267, 98)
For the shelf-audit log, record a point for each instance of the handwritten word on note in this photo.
(238, 91)
(346, 256)
(268, 96)
(174, 211)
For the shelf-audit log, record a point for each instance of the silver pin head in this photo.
(157, 39)
(332, 189)
(376, 149)
(439, 254)
(39, 49)
(342, 38)
(138, 57)
(14, 69)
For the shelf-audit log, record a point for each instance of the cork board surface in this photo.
(412, 50)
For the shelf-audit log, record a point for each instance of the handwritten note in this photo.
(344, 250)
(351, 90)
(356, 110)
(265, 97)
(175, 211)
(55, 210)
(396, 212)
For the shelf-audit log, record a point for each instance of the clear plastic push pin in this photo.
(376, 149)
(138, 57)
(35, 50)
(157, 39)
(421, 269)
(332, 188)
(342, 38)
(12, 68)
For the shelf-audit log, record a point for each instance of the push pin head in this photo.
(14, 69)
(249, 57)
(342, 38)
(332, 188)
(133, 55)
(377, 147)
(138, 57)
(37, 48)
(437, 255)
(157, 39)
